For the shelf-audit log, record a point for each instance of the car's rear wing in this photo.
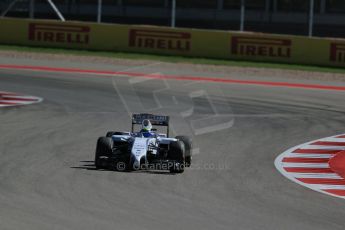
(156, 120)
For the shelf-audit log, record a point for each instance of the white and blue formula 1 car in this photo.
(145, 149)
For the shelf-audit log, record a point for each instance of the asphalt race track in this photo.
(48, 181)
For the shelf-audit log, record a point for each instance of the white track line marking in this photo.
(310, 155)
(304, 165)
(336, 139)
(317, 175)
(323, 187)
(323, 147)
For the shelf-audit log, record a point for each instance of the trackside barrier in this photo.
(182, 42)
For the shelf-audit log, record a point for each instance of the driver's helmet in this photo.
(146, 125)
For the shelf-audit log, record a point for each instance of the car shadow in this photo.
(89, 165)
(154, 172)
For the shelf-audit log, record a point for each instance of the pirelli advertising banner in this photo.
(182, 42)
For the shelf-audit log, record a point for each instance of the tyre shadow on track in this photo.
(89, 165)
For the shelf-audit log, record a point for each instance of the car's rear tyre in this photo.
(103, 152)
(188, 149)
(176, 156)
(111, 133)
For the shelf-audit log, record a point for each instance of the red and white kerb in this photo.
(13, 99)
(318, 165)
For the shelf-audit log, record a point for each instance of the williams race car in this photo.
(144, 149)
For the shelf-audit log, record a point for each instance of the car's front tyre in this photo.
(188, 149)
(103, 152)
(176, 157)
